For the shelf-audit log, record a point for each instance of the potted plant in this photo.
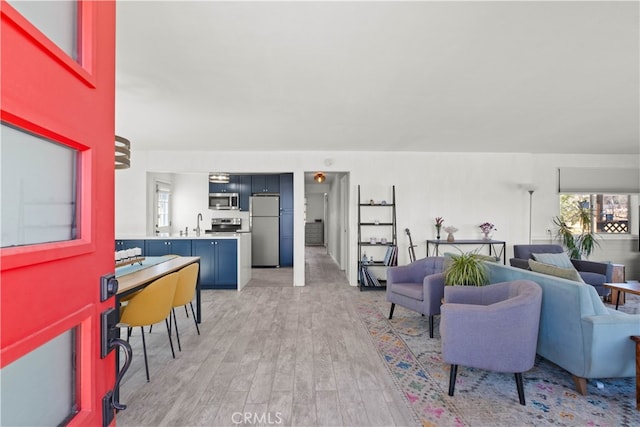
(583, 243)
(466, 269)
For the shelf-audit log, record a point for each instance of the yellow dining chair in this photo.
(151, 305)
(185, 291)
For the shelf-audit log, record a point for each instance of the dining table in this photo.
(134, 277)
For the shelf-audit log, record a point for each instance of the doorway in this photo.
(326, 216)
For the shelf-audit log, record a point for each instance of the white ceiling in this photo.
(540, 77)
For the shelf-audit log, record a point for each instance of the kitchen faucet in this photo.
(197, 229)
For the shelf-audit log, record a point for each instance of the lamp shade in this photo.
(123, 153)
(319, 177)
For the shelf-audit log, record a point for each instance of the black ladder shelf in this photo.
(377, 234)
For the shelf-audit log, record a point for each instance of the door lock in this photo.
(108, 286)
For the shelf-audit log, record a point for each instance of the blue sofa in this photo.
(577, 332)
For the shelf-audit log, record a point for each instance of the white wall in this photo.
(464, 188)
(315, 207)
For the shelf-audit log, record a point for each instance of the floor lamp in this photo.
(530, 211)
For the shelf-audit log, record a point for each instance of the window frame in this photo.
(595, 201)
(162, 205)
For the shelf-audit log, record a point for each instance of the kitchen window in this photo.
(163, 207)
(609, 212)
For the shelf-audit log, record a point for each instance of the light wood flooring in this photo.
(273, 353)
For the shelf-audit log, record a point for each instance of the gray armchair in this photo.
(592, 272)
(418, 286)
(493, 327)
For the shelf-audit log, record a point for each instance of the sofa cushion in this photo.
(559, 260)
(411, 290)
(552, 270)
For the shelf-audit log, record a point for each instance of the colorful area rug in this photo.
(484, 398)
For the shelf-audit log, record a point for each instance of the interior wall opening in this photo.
(326, 215)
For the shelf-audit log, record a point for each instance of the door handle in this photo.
(128, 352)
(109, 341)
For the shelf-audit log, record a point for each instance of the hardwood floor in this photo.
(271, 354)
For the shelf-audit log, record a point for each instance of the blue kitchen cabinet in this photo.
(265, 184)
(218, 263)
(286, 220)
(286, 239)
(216, 187)
(286, 251)
(286, 192)
(244, 190)
(159, 247)
(129, 244)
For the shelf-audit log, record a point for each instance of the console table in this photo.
(496, 247)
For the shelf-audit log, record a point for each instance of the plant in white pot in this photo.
(466, 269)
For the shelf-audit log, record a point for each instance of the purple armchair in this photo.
(592, 272)
(418, 286)
(493, 327)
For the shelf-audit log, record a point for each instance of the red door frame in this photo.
(47, 289)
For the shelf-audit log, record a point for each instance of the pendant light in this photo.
(123, 153)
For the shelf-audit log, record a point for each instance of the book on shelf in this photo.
(391, 257)
(367, 278)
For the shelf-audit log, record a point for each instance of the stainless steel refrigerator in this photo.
(265, 231)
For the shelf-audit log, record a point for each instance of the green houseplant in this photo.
(466, 269)
(579, 244)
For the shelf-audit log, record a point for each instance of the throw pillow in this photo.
(489, 258)
(559, 260)
(552, 270)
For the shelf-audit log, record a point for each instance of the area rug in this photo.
(484, 398)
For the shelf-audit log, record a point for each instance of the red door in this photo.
(57, 112)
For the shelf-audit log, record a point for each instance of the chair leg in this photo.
(166, 322)
(186, 311)
(175, 321)
(393, 305)
(144, 349)
(452, 379)
(520, 387)
(195, 322)
(431, 326)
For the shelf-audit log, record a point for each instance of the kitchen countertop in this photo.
(216, 235)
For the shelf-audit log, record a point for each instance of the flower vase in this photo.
(438, 233)
(486, 235)
(450, 238)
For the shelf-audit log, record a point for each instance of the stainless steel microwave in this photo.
(224, 201)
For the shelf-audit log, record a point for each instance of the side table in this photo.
(617, 277)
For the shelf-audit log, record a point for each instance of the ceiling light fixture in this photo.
(219, 177)
(319, 177)
(123, 153)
